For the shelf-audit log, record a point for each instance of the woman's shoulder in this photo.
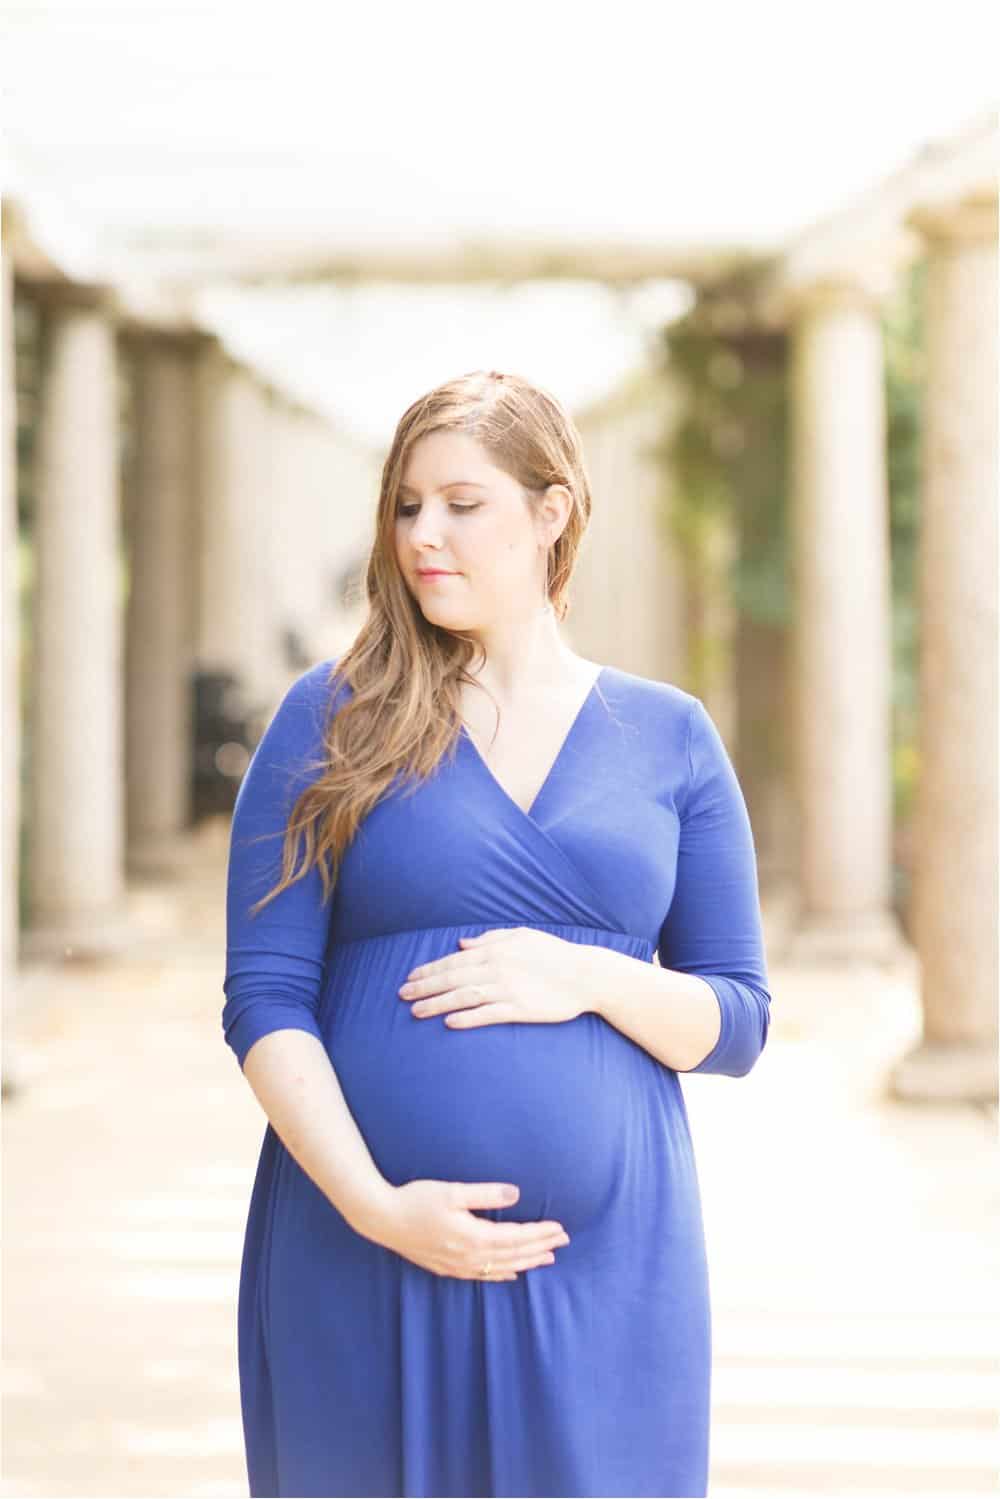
(317, 685)
(676, 721)
(304, 706)
(650, 695)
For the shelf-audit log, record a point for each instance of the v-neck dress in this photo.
(361, 1372)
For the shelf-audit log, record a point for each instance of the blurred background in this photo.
(754, 252)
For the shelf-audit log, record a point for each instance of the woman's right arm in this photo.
(297, 1086)
(275, 964)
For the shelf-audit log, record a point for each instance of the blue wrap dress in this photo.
(361, 1373)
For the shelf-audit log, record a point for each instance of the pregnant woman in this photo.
(474, 1260)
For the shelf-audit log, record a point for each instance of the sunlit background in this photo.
(753, 251)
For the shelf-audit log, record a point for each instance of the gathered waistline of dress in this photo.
(486, 926)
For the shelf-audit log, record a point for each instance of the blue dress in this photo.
(361, 1373)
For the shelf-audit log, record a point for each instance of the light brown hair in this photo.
(404, 672)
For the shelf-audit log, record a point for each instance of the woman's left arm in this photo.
(707, 1008)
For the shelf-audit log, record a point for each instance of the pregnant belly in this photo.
(551, 1108)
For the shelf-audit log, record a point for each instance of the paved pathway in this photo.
(852, 1241)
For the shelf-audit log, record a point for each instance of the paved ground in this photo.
(852, 1241)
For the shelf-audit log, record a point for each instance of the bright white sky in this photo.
(676, 124)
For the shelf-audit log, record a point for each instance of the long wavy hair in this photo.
(405, 672)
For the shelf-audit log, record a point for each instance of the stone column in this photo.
(271, 507)
(77, 788)
(955, 882)
(315, 513)
(235, 616)
(218, 577)
(296, 543)
(630, 597)
(841, 655)
(161, 501)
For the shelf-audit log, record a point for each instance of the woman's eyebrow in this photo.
(455, 484)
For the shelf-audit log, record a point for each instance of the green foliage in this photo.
(903, 324)
(727, 460)
(725, 456)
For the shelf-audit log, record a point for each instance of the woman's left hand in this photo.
(509, 974)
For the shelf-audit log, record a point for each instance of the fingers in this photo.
(507, 1260)
(527, 1260)
(469, 997)
(522, 1255)
(507, 1247)
(519, 1246)
(535, 1251)
(511, 1235)
(506, 1265)
(484, 1194)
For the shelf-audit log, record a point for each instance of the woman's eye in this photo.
(412, 509)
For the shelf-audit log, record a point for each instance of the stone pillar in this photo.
(218, 611)
(632, 588)
(161, 498)
(77, 787)
(10, 749)
(313, 514)
(841, 655)
(955, 882)
(296, 543)
(272, 506)
(236, 632)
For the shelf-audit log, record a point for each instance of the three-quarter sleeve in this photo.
(713, 927)
(275, 960)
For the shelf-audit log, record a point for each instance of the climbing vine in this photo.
(726, 455)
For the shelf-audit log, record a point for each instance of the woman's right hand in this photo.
(431, 1223)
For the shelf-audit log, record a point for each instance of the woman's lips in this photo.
(429, 576)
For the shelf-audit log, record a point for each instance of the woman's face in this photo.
(468, 521)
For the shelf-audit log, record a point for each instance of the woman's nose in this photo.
(425, 531)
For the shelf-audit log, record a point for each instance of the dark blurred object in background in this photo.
(225, 729)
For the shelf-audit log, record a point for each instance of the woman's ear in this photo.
(557, 503)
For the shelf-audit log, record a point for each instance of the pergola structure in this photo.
(205, 426)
